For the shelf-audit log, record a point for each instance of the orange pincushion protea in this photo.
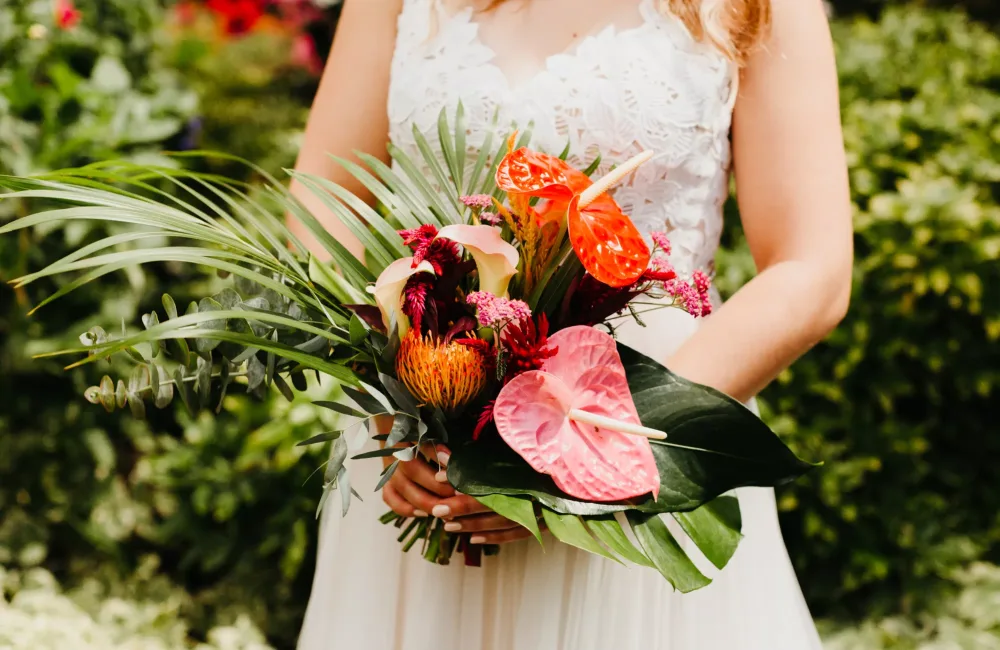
(445, 375)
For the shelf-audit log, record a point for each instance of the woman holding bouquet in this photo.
(710, 87)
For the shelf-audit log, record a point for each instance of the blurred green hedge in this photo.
(986, 10)
(902, 401)
(225, 510)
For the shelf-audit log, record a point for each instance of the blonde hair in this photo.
(735, 27)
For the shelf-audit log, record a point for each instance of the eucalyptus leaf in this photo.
(387, 474)
(344, 485)
(136, 405)
(284, 388)
(164, 394)
(321, 437)
(337, 457)
(405, 402)
(343, 409)
(367, 403)
(169, 306)
(377, 453)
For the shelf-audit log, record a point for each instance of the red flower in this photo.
(526, 346)
(440, 253)
(66, 14)
(415, 295)
(484, 420)
(239, 16)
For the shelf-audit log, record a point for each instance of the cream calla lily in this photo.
(496, 260)
(388, 291)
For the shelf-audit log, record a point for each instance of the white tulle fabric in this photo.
(645, 86)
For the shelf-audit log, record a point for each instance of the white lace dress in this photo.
(644, 85)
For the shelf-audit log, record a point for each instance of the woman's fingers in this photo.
(418, 471)
(422, 500)
(479, 523)
(398, 504)
(458, 506)
(501, 537)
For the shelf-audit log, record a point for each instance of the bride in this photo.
(691, 80)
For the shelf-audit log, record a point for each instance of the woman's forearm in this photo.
(763, 328)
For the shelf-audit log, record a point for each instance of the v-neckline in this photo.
(572, 51)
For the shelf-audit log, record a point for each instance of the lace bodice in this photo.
(620, 91)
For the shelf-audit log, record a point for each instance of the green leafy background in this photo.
(180, 530)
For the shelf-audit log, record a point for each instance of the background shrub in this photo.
(901, 400)
(224, 511)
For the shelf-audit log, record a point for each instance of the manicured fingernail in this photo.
(443, 458)
(441, 511)
(419, 513)
(453, 526)
(441, 477)
(478, 539)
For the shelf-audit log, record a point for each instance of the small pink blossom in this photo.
(490, 218)
(686, 294)
(480, 201)
(702, 284)
(493, 311)
(660, 264)
(661, 241)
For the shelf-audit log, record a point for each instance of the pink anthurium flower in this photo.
(566, 420)
(496, 260)
(388, 291)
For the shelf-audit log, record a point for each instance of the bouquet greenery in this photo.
(482, 317)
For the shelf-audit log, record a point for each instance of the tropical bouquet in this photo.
(482, 317)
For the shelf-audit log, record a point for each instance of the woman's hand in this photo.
(417, 489)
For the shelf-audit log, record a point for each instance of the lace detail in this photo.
(618, 92)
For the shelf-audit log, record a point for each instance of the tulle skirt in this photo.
(367, 595)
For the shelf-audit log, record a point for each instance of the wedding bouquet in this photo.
(482, 317)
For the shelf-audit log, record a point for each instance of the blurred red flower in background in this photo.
(66, 14)
(239, 16)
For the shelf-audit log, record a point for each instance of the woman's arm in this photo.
(349, 111)
(792, 186)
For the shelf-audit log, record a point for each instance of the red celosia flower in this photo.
(415, 295)
(239, 16)
(526, 346)
(484, 420)
(66, 14)
(441, 253)
(418, 239)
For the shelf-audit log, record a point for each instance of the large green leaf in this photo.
(520, 511)
(714, 445)
(715, 528)
(666, 554)
(569, 529)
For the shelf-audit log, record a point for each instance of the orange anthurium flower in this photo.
(607, 243)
